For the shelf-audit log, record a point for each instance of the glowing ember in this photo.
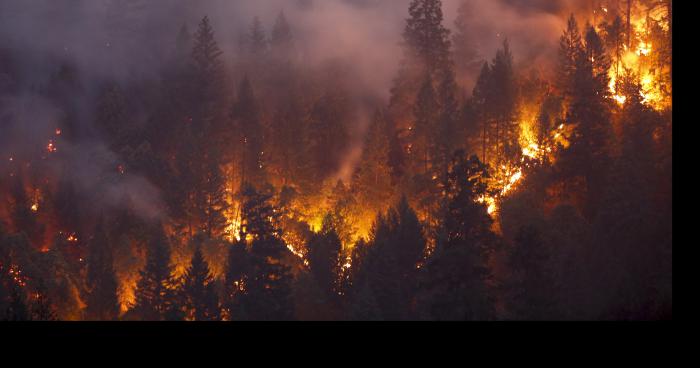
(51, 147)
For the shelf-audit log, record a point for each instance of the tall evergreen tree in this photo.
(328, 136)
(324, 258)
(155, 298)
(282, 40)
(532, 287)
(200, 299)
(267, 291)
(454, 284)
(390, 266)
(235, 280)
(426, 48)
(426, 112)
(570, 50)
(372, 181)
(590, 109)
(504, 100)
(248, 116)
(102, 301)
(257, 40)
(426, 38)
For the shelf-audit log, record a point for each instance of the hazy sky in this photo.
(365, 33)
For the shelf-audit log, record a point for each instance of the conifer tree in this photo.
(324, 258)
(532, 287)
(102, 301)
(504, 100)
(247, 114)
(570, 49)
(200, 299)
(391, 263)
(454, 282)
(155, 298)
(282, 40)
(426, 112)
(257, 40)
(372, 180)
(426, 51)
(426, 38)
(267, 291)
(235, 280)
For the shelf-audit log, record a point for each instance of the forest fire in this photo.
(471, 168)
(638, 55)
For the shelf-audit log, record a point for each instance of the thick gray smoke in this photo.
(128, 38)
(125, 40)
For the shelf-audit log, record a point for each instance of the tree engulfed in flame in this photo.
(638, 57)
(510, 175)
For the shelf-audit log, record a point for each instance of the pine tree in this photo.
(372, 182)
(155, 296)
(570, 49)
(614, 41)
(532, 287)
(481, 97)
(214, 203)
(258, 214)
(629, 251)
(590, 109)
(426, 39)
(204, 139)
(288, 152)
(102, 300)
(426, 112)
(257, 40)
(454, 282)
(200, 299)
(391, 263)
(503, 100)
(268, 286)
(237, 271)
(444, 138)
(426, 48)
(248, 117)
(282, 40)
(206, 55)
(208, 82)
(328, 135)
(324, 258)
(600, 61)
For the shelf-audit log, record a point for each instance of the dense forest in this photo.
(239, 176)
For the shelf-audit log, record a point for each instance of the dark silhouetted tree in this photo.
(102, 300)
(200, 299)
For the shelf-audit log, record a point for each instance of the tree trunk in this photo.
(629, 24)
